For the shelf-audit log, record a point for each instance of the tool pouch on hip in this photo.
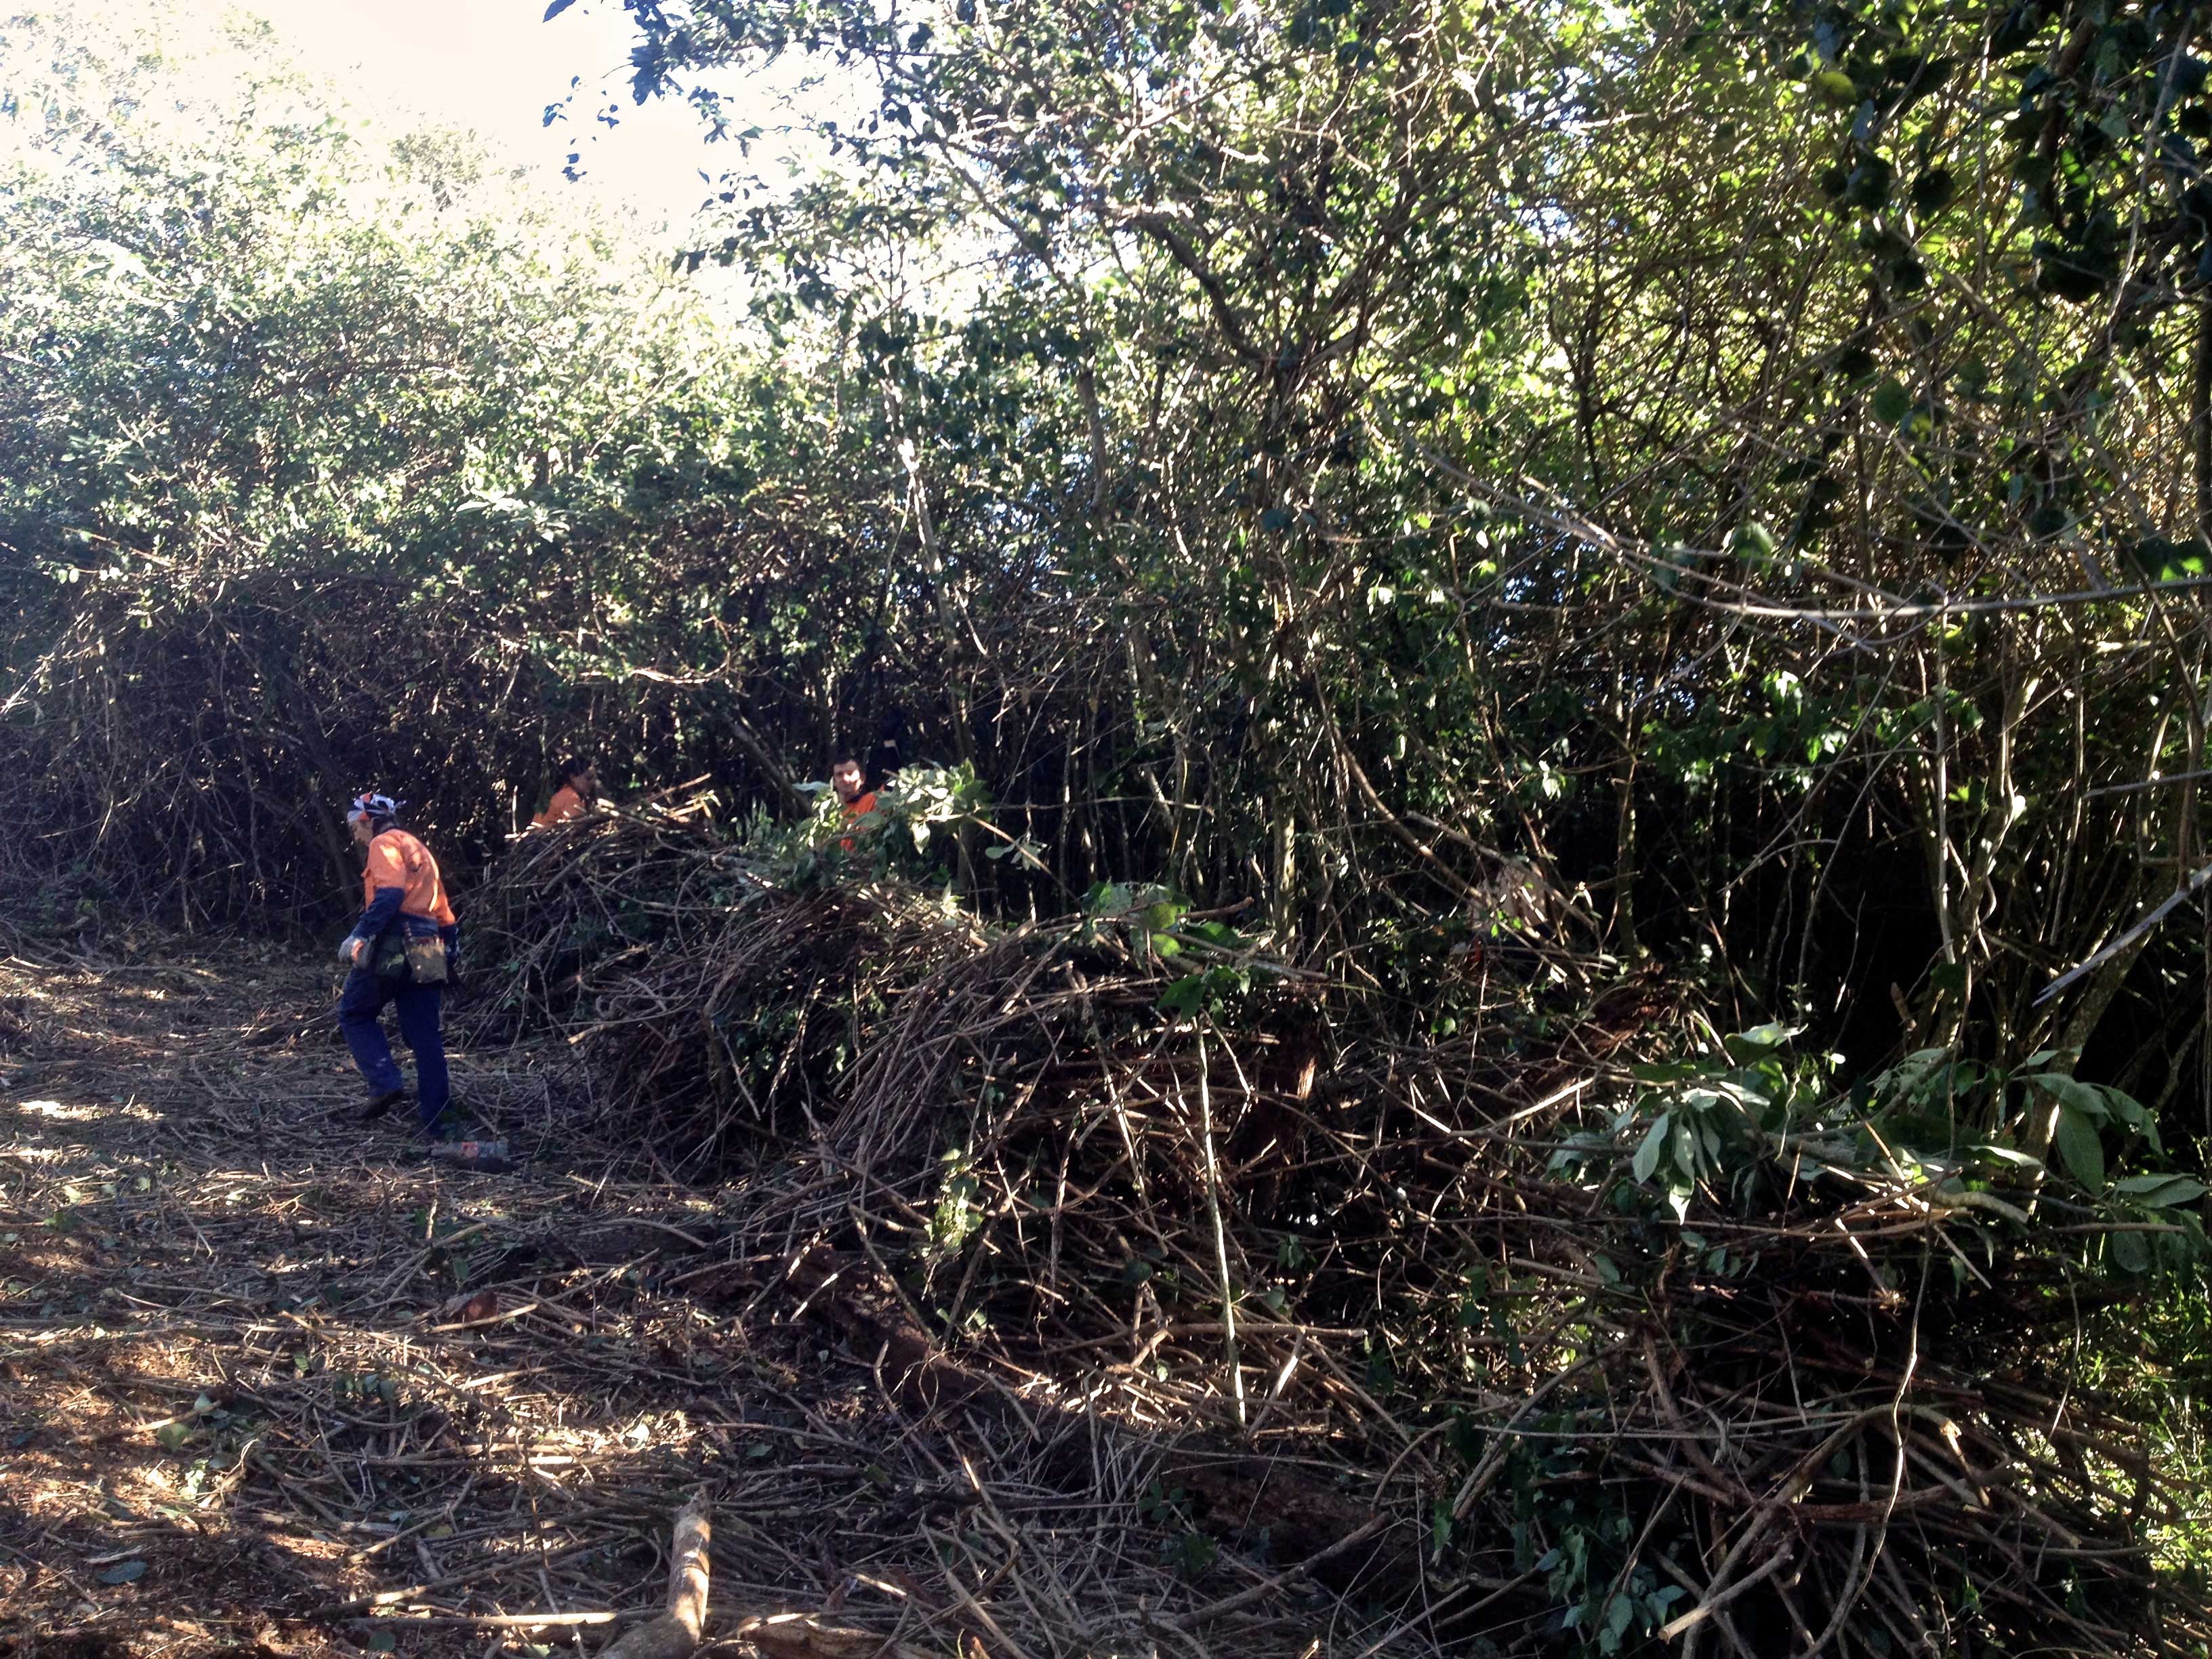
(426, 960)
(387, 954)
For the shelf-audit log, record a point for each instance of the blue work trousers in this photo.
(419, 1007)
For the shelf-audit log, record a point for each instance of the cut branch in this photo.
(676, 1632)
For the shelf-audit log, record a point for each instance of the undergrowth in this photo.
(1595, 1316)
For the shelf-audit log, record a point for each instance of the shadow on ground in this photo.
(273, 1383)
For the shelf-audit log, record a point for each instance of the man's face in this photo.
(845, 779)
(586, 782)
(362, 834)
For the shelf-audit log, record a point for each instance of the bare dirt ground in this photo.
(272, 1382)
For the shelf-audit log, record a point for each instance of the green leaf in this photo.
(1185, 996)
(2018, 1159)
(2129, 1251)
(1753, 543)
(2078, 1145)
(1686, 1148)
(1933, 191)
(1760, 1041)
(2125, 1108)
(1892, 402)
(2074, 1094)
(1618, 1612)
(2161, 1192)
(124, 1572)
(1868, 185)
(1648, 1154)
(2164, 561)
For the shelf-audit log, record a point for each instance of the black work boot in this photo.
(383, 1104)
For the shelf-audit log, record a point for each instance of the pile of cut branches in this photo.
(585, 898)
(1527, 1341)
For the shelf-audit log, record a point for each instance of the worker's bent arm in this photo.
(379, 912)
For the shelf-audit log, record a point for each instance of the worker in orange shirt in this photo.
(403, 951)
(574, 787)
(856, 800)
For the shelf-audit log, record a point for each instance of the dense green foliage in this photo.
(1650, 442)
(328, 466)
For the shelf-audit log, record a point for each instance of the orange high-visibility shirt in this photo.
(565, 805)
(396, 859)
(856, 810)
